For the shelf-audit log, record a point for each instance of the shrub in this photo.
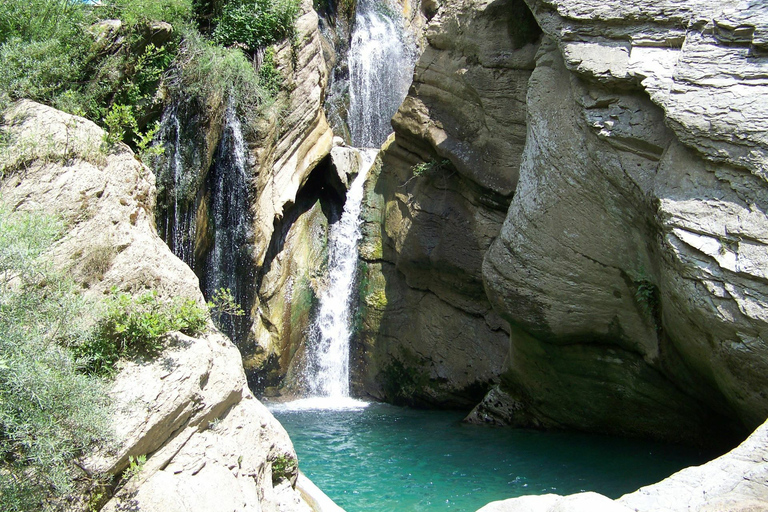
(137, 12)
(118, 121)
(269, 76)
(39, 70)
(255, 24)
(208, 72)
(50, 413)
(136, 326)
(429, 168)
(39, 20)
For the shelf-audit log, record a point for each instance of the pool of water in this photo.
(383, 458)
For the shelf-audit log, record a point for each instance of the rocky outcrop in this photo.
(439, 196)
(736, 481)
(296, 140)
(630, 263)
(209, 444)
(428, 335)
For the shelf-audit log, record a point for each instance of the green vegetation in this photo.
(50, 412)
(137, 13)
(135, 466)
(206, 72)
(429, 168)
(254, 24)
(57, 53)
(269, 76)
(283, 467)
(647, 295)
(137, 327)
(224, 303)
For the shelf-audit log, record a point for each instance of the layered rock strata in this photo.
(434, 205)
(630, 264)
(209, 444)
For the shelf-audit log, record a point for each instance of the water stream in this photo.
(328, 362)
(179, 209)
(228, 263)
(381, 61)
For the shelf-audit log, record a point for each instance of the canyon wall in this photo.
(624, 147)
(429, 335)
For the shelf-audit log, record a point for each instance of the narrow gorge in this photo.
(544, 216)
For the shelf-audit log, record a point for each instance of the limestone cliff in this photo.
(630, 263)
(209, 444)
(625, 147)
(445, 182)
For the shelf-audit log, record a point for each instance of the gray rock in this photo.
(209, 444)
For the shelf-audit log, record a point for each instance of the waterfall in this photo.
(179, 209)
(228, 263)
(381, 60)
(329, 337)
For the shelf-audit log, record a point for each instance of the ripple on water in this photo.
(380, 458)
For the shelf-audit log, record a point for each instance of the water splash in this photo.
(328, 364)
(381, 61)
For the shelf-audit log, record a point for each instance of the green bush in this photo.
(429, 168)
(269, 76)
(50, 413)
(138, 12)
(209, 71)
(254, 24)
(39, 70)
(40, 20)
(136, 326)
(118, 121)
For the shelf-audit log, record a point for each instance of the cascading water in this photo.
(381, 60)
(328, 364)
(179, 215)
(228, 263)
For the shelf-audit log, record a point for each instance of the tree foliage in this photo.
(254, 24)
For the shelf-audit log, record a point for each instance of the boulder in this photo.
(207, 441)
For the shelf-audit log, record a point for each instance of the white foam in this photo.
(319, 403)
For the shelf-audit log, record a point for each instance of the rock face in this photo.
(293, 275)
(300, 138)
(631, 262)
(279, 152)
(435, 204)
(209, 444)
(736, 481)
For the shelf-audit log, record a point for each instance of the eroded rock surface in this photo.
(630, 262)
(209, 444)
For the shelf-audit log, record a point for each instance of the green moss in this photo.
(376, 299)
(404, 377)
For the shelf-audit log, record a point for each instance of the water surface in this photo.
(384, 458)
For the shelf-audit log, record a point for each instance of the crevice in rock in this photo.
(324, 185)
